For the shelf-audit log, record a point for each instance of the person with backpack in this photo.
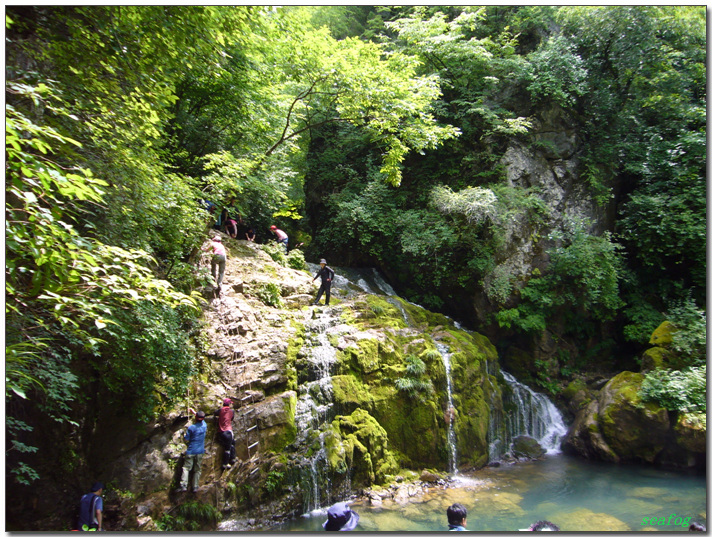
(327, 275)
(195, 436)
(91, 508)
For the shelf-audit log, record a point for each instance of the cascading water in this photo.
(451, 439)
(532, 414)
(314, 406)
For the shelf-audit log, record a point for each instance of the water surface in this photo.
(577, 495)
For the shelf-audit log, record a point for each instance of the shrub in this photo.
(270, 294)
(684, 391)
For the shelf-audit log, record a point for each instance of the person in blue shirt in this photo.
(457, 517)
(195, 436)
(91, 509)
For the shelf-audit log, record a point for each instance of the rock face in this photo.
(327, 400)
(526, 447)
(615, 425)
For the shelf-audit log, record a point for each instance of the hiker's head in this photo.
(227, 401)
(456, 514)
(217, 238)
(200, 415)
(97, 487)
(273, 227)
(340, 518)
(322, 262)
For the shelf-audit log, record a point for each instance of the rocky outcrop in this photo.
(355, 393)
(615, 425)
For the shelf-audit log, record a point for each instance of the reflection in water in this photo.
(575, 494)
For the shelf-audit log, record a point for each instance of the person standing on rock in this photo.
(327, 276)
(457, 517)
(225, 434)
(195, 436)
(91, 509)
(282, 237)
(218, 259)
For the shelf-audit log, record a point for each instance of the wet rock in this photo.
(527, 447)
(429, 477)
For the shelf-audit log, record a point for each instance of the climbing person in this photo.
(91, 509)
(340, 518)
(250, 234)
(327, 276)
(218, 260)
(544, 525)
(195, 436)
(282, 237)
(225, 434)
(231, 227)
(457, 517)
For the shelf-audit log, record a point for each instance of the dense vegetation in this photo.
(373, 134)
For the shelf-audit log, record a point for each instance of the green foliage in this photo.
(190, 516)
(689, 339)
(583, 281)
(684, 391)
(296, 261)
(276, 252)
(414, 382)
(270, 294)
(274, 481)
(555, 73)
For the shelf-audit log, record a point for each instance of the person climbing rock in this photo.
(250, 234)
(195, 436)
(91, 509)
(457, 517)
(225, 434)
(231, 227)
(218, 260)
(282, 237)
(340, 518)
(327, 276)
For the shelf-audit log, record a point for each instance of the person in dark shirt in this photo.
(327, 276)
(91, 509)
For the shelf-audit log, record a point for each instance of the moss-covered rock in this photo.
(662, 335)
(526, 446)
(691, 432)
(634, 430)
(357, 444)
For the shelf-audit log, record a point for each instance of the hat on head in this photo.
(340, 518)
(200, 415)
(217, 238)
(97, 486)
(322, 261)
(273, 227)
(227, 401)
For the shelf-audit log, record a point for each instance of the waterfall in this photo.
(451, 439)
(532, 414)
(314, 405)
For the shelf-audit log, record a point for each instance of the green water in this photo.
(575, 494)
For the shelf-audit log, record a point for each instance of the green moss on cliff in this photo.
(293, 347)
(359, 443)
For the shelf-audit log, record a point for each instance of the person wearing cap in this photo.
(327, 275)
(282, 237)
(340, 518)
(91, 508)
(218, 259)
(195, 436)
(225, 434)
(457, 517)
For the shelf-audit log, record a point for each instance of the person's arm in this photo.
(98, 518)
